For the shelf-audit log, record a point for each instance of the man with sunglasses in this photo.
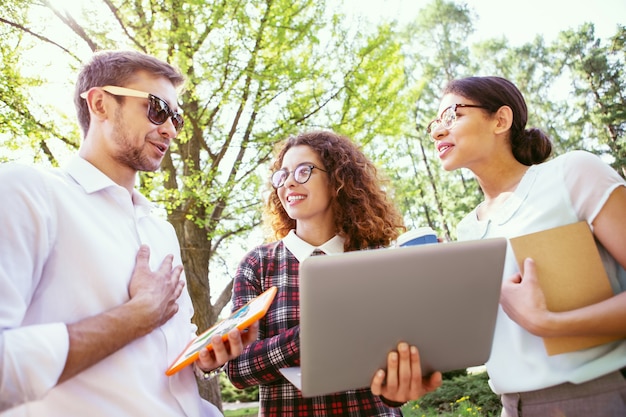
(93, 305)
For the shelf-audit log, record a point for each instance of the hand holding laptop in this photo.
(381, 312)
(403, 380)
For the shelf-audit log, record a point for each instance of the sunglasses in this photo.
(158, 109)
(301, 174)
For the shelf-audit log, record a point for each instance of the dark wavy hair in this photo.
(529, 146)
(117, 68)
(364, 215)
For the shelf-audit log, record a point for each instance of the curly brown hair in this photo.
(364, 215)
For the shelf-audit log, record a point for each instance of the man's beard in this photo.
(135, 157)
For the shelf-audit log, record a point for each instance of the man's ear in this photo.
(96, 103)
(504, 119)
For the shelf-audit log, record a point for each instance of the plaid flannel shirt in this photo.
(279, 344)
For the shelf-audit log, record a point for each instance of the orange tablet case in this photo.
(241, 319)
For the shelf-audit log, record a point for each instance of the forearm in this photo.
(606, 318)
(260, 362)
(94, 338)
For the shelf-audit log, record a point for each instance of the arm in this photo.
(524, 302)
(40, 344)
(403, 380)
(279, 344)
(152, 303)
(27, 375)
(259, 363)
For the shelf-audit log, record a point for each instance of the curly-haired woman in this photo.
(327, 196)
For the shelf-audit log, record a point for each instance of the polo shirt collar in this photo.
(302, 250)
(92, 180)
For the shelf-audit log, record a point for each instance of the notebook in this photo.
(355, 308)
(571, 275)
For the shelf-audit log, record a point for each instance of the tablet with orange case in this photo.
(241, 319)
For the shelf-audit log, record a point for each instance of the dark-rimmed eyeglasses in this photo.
(448, 117)
(301, 174)
(158, 109)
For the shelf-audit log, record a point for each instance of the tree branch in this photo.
(40, 37)
(69, 21)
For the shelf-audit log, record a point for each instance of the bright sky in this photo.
(518, 21)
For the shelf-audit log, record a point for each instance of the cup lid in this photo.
(414, 233)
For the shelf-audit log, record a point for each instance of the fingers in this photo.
(224, 350)
(528, 272)
(239, 339)
(513, 279)
(142, 259)
(430, 383)
(530, 269)
(377, 382)
(415, 377)
(216, 357)
(207, 359)
(392, 371)
(406, 354)
(142, 264)
(409, 374)
(143, 254)
(403, 381)
(251, 334)
(154, 293)
(166, 265)
(221, 351)
(173, 275)
(433, 382)
(180, 283)
(165, 270)
(398, 375)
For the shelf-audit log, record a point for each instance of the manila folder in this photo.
(570, 273)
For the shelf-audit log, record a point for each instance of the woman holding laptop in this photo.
(326, 198)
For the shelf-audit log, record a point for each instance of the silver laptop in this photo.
(355, 307)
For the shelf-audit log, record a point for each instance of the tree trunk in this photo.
(210, 390)
(195, 253)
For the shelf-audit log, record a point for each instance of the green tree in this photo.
(598, 109)
(257, 72)
(25, 122)
(260, 70)
(436, 51)
(589, 116)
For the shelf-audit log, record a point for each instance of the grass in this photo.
(242, 412)
(462, 407)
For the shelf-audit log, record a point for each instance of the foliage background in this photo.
(261, 70)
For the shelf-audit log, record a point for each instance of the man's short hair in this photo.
(117, 68)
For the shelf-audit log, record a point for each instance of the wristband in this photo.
(207, 375)
(390, 403)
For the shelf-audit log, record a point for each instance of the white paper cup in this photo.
(419, 236)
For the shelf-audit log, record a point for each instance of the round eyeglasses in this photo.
(301, 174)
(448, 117)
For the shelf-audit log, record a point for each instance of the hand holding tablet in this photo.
(241, 319)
